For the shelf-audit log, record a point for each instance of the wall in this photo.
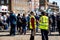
(19, 5)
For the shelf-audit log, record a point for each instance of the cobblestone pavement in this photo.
(4, 36)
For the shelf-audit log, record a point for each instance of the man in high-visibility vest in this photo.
(32, 25)
(44, 23)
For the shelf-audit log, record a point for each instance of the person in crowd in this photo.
(53, 22)
(58, 22)
(44, 25)
(24, 24)
(37, 24)
(32, 25)
(1, 22)
(28, 20)
(5, 21)
(13, 22)
(19, 24)
(50, 24)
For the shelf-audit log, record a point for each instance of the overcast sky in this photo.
(58, 2)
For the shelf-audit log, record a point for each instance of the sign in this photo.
(3, 8)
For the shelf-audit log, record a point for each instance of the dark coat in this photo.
(13, 19)
(19, 21)
(58, 21)
(24, 20)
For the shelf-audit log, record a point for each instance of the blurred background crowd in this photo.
(22, 22)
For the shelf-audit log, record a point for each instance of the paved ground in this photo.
(4, 36)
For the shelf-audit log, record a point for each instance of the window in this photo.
(7, 1)
(16, 1)
(2, 1)
(29, 0)
(42, 1)
(47, 0)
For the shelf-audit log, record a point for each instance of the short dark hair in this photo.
(11, 11)
(18, 14)
(43, 13)
(31, 12)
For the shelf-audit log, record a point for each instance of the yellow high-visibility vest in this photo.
(34, 22)
(44, 23)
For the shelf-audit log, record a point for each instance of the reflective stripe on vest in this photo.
(44, 23)
(34, 22)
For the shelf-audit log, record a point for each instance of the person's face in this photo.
(45, 14)
(23, 14)
(32, 13)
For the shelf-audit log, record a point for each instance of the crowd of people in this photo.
(22, 23)
(4, 21)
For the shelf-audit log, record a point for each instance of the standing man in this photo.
(44, 23)
(19, 24)
(53, 22)
(24, 22)
(13, 22)
(58, 22)
(37, 24)
(28, 21)
(32, 25)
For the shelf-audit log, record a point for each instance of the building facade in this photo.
(19, 6)
(53, 7)
(34, 5)
(43, 4)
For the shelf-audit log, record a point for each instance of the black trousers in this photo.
(59, 29)
(58, 26)
(32, 34)
(44, 34)
(53, 27)
(12, 30)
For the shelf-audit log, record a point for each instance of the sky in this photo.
(58, 2)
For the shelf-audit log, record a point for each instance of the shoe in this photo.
(32, 38)
(12, 34)
(59, 34)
